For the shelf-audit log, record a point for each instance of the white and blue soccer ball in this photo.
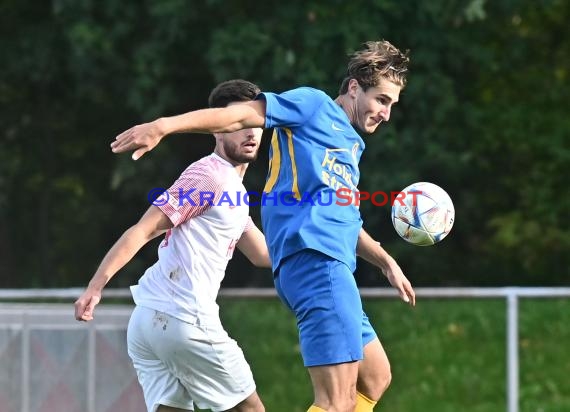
(424, 214)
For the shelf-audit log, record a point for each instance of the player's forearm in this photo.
(216, 120)
(371, 251)
(261, 259)
(118, 256)
(252, 244)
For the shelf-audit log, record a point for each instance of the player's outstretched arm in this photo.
(252, 245)
(153, 223)
(144, 137)
(371, 251)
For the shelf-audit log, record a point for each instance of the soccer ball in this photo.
(422, 214)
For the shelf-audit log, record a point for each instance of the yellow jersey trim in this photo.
(274, 164)
(295, 186)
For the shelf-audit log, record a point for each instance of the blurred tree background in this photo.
(484, 116)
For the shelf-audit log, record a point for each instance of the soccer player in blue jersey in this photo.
(313, 243)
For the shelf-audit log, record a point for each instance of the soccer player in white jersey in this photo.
(182, 354)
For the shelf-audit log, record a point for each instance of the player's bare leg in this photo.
(374, 373)
(335, 386)
(251, 404)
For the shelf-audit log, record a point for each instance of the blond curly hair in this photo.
(377, 60)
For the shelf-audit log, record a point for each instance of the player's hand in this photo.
(399, 281)
(141, 138)
(85, 305)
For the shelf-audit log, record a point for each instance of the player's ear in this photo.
(353, 87)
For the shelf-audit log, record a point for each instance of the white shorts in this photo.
(179, 364)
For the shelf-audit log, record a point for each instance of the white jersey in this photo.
(206, 206)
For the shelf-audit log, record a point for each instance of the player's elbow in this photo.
(261, 260)
(144, 233)
(237, 117)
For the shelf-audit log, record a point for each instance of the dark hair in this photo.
(236, 90)
(377, 60)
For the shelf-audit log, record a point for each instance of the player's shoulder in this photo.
(305, 97)
(209, 168)
(310, 91)
(302, 92)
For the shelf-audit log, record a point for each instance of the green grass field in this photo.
(447, 355)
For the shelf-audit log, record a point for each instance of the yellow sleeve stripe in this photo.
(295, 186)
(274, 164)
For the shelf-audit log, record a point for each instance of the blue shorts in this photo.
(322, 293)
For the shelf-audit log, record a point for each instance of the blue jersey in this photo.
(314, 152)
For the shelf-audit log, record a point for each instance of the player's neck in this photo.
(344, 103)
(240, 168)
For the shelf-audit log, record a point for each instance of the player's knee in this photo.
(386, 381)
(381, 384)
(374, 386)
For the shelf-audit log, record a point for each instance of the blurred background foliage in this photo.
(484, 116)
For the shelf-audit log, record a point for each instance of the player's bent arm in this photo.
(144, 137)
(152, 224)
(371, 251)
(217, 120)
(252, 245)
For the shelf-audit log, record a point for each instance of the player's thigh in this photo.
(334, 384)
(160, 386)
(374, 370)
(209, 363)
(323, 294)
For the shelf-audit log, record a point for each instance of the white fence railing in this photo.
(51, 362)
(36, 316)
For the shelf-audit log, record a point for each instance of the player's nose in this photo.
(385, 113)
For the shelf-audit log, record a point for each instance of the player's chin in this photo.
(248, 157)
(371, 128)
